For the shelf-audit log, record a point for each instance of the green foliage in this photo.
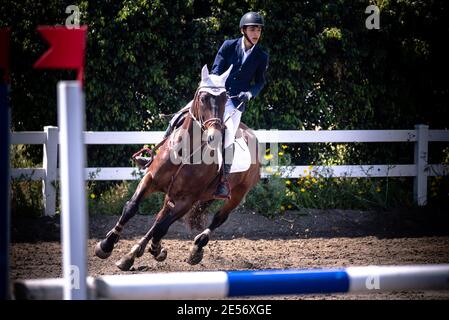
(327, 71)
(26, 195)
(112, 200)
(267, 197)
(348, 193)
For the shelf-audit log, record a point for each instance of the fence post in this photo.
(50, 165)
(421, 160)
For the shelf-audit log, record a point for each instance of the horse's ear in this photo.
(204, 73)
(225, 75)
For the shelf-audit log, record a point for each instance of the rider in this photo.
(246, 80)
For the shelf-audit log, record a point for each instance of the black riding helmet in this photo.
(251, 19)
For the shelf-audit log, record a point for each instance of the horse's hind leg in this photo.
(104, 248)
(201, 240)
(166, 216)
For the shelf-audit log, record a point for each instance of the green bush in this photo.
(112, 200)
(26, 195)
(267, 197)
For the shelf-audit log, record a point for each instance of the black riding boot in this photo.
(223, 189)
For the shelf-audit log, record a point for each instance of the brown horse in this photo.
(188, 184)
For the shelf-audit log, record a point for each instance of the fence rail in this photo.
(420, 169)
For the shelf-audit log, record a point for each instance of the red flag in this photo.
(4, 52)
(67, 47)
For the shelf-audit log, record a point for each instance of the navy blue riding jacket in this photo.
(249, 76)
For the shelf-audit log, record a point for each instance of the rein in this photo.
(204, 125)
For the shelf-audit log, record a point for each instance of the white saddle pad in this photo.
(242, 156)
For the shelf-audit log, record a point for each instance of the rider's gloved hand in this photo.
(245, 96)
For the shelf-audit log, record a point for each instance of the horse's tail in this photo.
(196, 218)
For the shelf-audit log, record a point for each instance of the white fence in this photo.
(420, 169)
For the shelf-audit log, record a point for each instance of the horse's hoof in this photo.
(100, 253)
(125, 263)
(162, 255)
(196, 255)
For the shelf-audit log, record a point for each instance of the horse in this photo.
(188, 186)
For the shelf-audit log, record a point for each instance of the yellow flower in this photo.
(92, 196)
(269, 169)
(305, 170)
(280, 153)
(268, 156)
(282, 208)
(378, 189)
(288, 182)
(303, 190)
(289, 206)
(284, 146)
(310, 167)
(314, 180)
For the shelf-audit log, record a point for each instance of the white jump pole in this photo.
(223, 284)
(73, 195)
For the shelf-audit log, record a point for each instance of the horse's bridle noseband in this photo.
(209, 122)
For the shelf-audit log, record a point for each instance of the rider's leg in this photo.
(144, 162)
(232, 125)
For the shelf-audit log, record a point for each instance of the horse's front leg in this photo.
(171, 212)
(104, 248)
(126, 262)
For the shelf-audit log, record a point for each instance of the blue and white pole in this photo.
(221, 284)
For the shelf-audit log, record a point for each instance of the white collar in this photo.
(247, 53)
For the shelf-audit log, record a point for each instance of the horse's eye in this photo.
(203, 99)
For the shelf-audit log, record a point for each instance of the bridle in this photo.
(205, 124)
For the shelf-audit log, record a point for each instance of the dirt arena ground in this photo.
(247, 241)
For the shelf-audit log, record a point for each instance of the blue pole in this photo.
(272, 282)
(4, 193)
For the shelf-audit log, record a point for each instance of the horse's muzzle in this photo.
(213, 138)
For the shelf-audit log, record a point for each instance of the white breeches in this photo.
(232, 124)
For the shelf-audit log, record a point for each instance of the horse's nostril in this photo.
(210, 138)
